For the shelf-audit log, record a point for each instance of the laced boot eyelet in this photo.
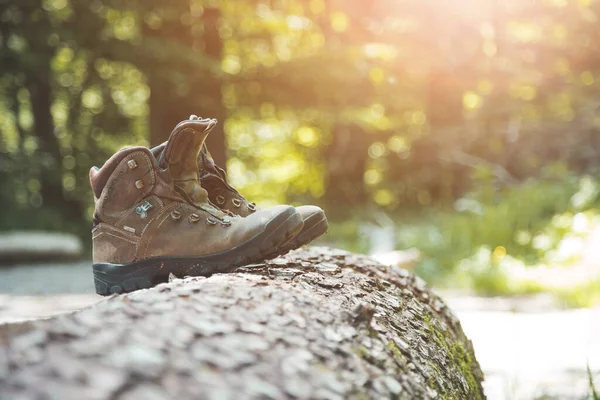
(139, 184)
(175, 215)
(236, 203)
(251, 206)
(226, 223)
(210, 221)
(194, 218)
(220, 200)
(142, 209)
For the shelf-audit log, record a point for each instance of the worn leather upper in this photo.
(140, 213)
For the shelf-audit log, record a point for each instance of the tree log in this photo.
(316, 324)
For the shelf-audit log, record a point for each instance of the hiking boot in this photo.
(153, 219)
(213, 179)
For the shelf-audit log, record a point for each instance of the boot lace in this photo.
(222, 216)
(218, 177)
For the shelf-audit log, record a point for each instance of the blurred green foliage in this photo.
(473, 125)
(593, 393)
(490, 237)
(526, 221)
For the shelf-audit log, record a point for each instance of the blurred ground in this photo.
(528, 348)
(47, 279)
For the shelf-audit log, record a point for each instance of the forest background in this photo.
(466, 130)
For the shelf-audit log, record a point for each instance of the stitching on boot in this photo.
(143, 255)
(151, 168)
(166, 212)
(164, 219)
(151, 172)
(106, 228)
(175, 142)
(116, 237)
(147, 190)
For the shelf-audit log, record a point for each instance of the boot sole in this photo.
(314, 226)
(124, 278)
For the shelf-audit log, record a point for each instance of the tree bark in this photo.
(318, 323)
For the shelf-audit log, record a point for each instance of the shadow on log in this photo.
(317, 324)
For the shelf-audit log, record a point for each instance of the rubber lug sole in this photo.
(123, 278)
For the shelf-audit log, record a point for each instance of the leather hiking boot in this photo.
(213, 179)
(146, 228)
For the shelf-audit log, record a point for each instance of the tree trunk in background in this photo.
(444, 100)
(211, 89)
(167, 107)
(203, 95)
(166, 110)
(445, 118)
(50, 158)
(320, 324)
(346, 157)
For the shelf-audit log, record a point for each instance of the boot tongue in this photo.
(181, 153)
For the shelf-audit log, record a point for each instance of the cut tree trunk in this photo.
(318, 324)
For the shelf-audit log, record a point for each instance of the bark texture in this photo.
(317, 324)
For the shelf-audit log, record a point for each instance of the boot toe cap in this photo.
(310, 212)
(273, 217)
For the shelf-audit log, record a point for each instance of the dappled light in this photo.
(350, 105)
(353, 105)
(461, 137)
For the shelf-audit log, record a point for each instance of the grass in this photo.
(490, 240)
(584, 295)
(593, 393)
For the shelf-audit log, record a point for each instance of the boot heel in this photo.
(102, 288)
(107, 283)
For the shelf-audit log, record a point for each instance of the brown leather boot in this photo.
(145, 228)
(226, 197)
